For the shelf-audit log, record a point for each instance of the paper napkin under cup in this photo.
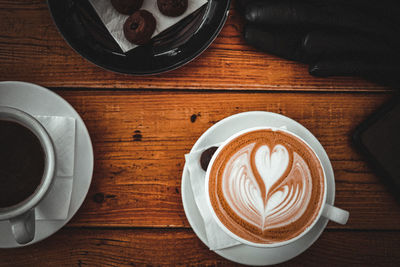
(216, 237)
(55, 205)
(114, 21)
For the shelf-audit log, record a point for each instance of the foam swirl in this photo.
(267, 187)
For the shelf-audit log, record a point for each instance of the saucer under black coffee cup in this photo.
(73, 156)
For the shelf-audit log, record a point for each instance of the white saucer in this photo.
(219, 132)
(37, 100)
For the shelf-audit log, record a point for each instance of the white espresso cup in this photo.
(22, 215)
(325, 210)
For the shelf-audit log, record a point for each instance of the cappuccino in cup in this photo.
(266, 187)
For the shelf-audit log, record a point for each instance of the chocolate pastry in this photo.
(206, 156)
(127, 7)
(172, 8)
(139, 27)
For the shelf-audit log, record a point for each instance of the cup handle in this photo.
(335, 214)
(23, 227)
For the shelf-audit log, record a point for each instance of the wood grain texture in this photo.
(181, 247)
(133, 215)
(140, 139)
(32, 50)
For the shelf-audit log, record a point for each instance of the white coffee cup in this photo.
(22, 215)
(326, 210)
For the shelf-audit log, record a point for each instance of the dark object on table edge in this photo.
(367, 137)
(83, 30)
(139, 27)
(172, 8)
(127, 7)
(335, 38)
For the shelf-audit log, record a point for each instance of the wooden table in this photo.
(141, 127)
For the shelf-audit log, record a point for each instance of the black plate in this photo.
(81, 27)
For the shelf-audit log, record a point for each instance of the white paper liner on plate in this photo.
(114, 21)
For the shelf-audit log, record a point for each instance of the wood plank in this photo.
(181, 247)
(28, 37)
(140, 138)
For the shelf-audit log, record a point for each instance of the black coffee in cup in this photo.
(22, 163)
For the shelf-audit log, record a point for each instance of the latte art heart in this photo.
(267, 186)
(271, 165)
(273, 200)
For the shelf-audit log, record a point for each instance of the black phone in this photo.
(378, 138)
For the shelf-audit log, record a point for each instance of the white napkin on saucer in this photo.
(55, 205)
(217, 238)
(114, 21)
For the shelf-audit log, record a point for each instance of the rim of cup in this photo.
(29, 122)
(238, 238)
